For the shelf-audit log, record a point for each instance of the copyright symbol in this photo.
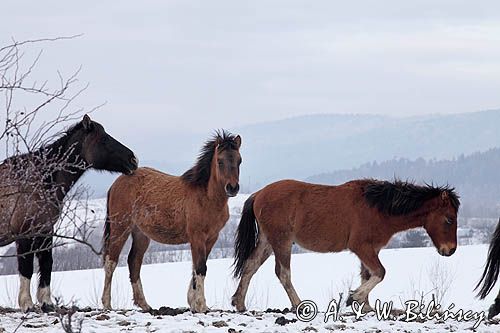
(306, 311)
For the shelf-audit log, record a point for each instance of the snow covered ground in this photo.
(411, 275)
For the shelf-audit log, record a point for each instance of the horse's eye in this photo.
(221, 162)
(449, 221)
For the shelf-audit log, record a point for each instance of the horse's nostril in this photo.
(232, 189)
(453, 250)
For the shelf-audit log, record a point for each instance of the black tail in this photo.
(107, 229)
(246, 239)
(490, 274)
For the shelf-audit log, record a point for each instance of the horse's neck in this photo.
(67, 179)
(215, 191)
(402, 223)
(216, 195)
(71, 173)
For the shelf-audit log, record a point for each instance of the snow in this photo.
(317, 277)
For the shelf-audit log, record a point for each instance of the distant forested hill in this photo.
(308, 145)
(304, 146)
(476, 177)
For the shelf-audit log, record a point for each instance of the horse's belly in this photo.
(320, 238)
(321, 246)
(166, 234)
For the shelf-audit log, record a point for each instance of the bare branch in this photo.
(33, 113)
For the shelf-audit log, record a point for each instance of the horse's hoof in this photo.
(144, 306)
(147, 309)
(494, 309)
(239, 307)
(27, 307)
(367, 308)
(46, 307)
(350, 298)
(200, 309)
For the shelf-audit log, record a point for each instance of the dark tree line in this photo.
(476, 178)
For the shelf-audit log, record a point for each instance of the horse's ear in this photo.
(237, 140)
(87, 123)
(218, 141)
(444, 196)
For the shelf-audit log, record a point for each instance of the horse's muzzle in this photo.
(134, 164)
(446, 252)
(232, 191)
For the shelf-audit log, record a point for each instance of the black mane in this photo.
(402, 197)
(199, 174)
(49, 149)
(62, 141)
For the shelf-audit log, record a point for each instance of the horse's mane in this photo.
(62, 140)
(403, 197)
(52, 147)
(49, 148)
(199, 174)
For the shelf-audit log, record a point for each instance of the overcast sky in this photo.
(199, 65)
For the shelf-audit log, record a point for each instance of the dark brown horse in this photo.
(32, 191)
(360, 215)
(191, 209)
(490, 274)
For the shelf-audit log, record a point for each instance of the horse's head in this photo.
(226, 162)
(103, 152)
(441, 222)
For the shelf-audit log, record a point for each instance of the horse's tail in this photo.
(246, 237)
(107, 229)
(490, 274)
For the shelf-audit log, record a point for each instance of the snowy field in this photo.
(411, 275)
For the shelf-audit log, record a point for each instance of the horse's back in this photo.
(142, 185)
(281, 200)
(151, 200)
(318, 217)
(302, 193)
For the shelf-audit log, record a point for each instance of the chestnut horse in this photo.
(191, 209)
(360, 215)
(490, 274)
(32, 191)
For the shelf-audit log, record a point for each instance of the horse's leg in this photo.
(25, 268)
(365, 274)
(256, 259)
(117, 238)
(196, 289)
(282, 255)
(370, 260)
(140, 243)
(45, 269)
(495, 307)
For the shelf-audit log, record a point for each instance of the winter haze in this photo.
(171, 72)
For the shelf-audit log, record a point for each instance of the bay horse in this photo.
(360, 215)
(32, 191)
(490, 274)
(169, 209)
